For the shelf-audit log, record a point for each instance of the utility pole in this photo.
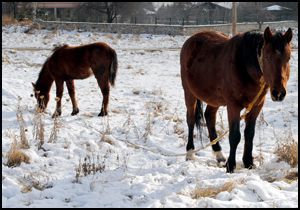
(34, 11)
(233, 18)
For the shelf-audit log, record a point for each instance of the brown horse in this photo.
(226, 72)
(69, 63)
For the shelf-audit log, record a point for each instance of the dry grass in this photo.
(54, 133)
(15, 156)
(148, 127)
(5, 58)
(88, 167)
(23, 140)
(119, 36)
(32, 28)
(109, 36)
(37, 180)
(291, 176)
(261, 122)
(107, 131)
(287, 147)
(213, 191)
(38, 127)
(128, 125)
(288, 151)
(7, 20)
(129, 66)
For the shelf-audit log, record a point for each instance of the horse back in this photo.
(80, 62)
(203, 44)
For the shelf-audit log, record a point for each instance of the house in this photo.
(58, 10)
(50, 10)
(214, 12)
(280, 12)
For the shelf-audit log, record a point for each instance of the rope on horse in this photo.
(250, 106)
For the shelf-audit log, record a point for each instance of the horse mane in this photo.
(248, 49)
(44, 69)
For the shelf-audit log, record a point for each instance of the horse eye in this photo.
(31, 95)
(277, 52)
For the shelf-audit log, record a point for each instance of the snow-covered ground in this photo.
(146, 108)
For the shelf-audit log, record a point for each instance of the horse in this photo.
(68, 63)
(232, 72)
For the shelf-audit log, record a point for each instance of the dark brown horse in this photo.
(226, 72)
(69, 63)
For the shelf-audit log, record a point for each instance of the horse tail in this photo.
(199, 117)
(113, 68)
(199, 114)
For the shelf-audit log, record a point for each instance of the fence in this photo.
(124, 28)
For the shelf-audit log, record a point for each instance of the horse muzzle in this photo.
(278, 95)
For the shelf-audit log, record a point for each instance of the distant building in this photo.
(50, 10)
(280, 12)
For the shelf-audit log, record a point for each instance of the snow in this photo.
(146, 108)
(227, 5)
(276, 7)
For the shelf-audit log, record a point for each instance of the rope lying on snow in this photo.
(191, 152)
(157, 150)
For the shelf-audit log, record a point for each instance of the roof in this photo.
(276, 8)
(227, 5)
(58, 4)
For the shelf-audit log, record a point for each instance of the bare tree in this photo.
(9, 8)
(109, 9)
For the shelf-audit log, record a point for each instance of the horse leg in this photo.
(104, 86)
(234, 135)
(71, 90)
(210, 118)
(59, 92)
(190, 102)
(249, 135)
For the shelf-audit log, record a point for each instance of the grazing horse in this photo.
(232, 72)
(69, 63)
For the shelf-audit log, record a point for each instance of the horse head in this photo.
(275, 58)
(42, 98)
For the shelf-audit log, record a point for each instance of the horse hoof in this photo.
(220, 157)
(248, 162)
(55, 115)
(230, 167)
(75, 112)
(102, 114)
(250, 166)
(190, 155)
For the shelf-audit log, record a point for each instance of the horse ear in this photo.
(288, 35)
(267, 34)
(33, 85)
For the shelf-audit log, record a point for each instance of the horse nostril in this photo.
(281, 95)
(275, 94)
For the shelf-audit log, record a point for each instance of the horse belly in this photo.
(84, 73)
(209, 91)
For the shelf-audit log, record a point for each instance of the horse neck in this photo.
(44, 81)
